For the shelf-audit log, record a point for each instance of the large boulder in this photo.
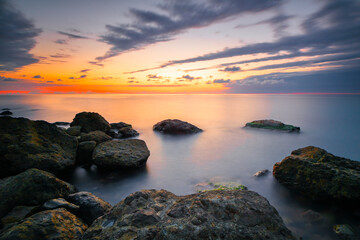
(91, 206)
(97, 136)
(121, 154)
(90, 121)
(34, 144)
(319, 175)
(32, 187)
(273, 125)
(58, 224)
(159, 214)
(175, 126)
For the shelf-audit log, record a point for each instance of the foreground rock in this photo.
(18, 213)
(175, 126)
(122, 130)
(85, 152)
(272, 124)
(34, 144)
(319, 175)
(60, 203)
(122, 154)
(90, 121)
(52, 224)
(97, 136)
(91, 206)
(152, 214)
(6, 113)
(32, 187)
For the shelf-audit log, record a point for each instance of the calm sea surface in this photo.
(224, 150)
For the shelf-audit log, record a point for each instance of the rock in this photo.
(122, 154)
(60, 203)
(34, 144)
(7, 112)
(159, 214)
(90, 121)
(219, 185)
(345, 232)
(18, 213)
(122, 130)
(175, 126)
(272, 124)
(119, 125)
(127, 132)
(32, 187)
(85, 152)
(97, 136)
(311, 216)
(74, 131)
(262, 173)
(61, 123)
(52, 224)
(319, 175)
(91, 206)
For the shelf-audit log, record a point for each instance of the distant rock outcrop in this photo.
(175, 126)
(272, 124)
(90, 121)
(319, 175)
(159, 214)
(34, 144)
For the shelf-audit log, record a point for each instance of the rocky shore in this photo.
(36, 203)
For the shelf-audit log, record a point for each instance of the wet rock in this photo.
(262, 173)
(311, 216)
(127, 132)
(52, 224)
(74, 131)
(122, 154)
(219, 185)
(273, 125)
(122, 130)
(85, 152)
(345, 232)
(61, 123)
(97, 136)
(6, 113)
(32, 187)
(90, 121)
(18, 213)
(60, 203)
(319, 175)
(175, 126)
(152, 214)
(119, 125)
(91, 206)
(34, 144)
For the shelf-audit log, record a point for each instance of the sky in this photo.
(183, 46)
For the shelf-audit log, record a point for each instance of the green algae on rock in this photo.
(319, 175)
(34, 144)
(273, 125)
(159, 214)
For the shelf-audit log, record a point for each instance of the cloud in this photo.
(131, 81)
(17, 38)
(85, 70)
(221, 81)
(60, 55)
(149, 27)
(61, 41)
(131, 77)
(37, 76)
(83, 76)
(96, 63)
(4, 79)
(72, 36)
(231, 69)
(153, 76)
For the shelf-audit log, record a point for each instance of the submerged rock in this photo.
(91, 206)
(262, 173)
(159, 214)
(90, 121)
(175, 126)
(97, 136)
(7, 112)
(34, 144)
(32, 187)
(122, 154)
(319, 175)
(272, 124)
(52, 224)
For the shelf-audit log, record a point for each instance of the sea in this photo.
(224, 150)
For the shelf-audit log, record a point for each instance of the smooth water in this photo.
(225, 149)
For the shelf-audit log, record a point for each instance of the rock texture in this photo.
(18, 213)
(85, 152)
(74, 131)
(122, 130)
(319, 175)
(261, 173)
(122, 154)
(152, 214)
(97, 136)
(90, 121)
(32, 187)
(34, 144)
(175, 126)
(272, 124)
(91, 206)
(56, 224)
(60, 203)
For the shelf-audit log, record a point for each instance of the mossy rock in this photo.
(90, 121)
(272, 125)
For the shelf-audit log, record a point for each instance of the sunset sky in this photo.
(199, 46)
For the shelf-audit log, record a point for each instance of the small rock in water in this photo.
(6, 113)
(273, 125)
(262, 173)
(175, 127)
